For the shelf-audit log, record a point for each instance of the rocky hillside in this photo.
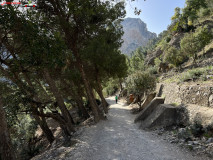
(135, 35)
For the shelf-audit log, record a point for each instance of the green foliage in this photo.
(137, 60)
(173, 56)
(194, 74)
(190, 45)
(157, 62)
(203, 12)
(185, 19)
(203, 36)
(140, 83)
(194, 42)
(23, 133)
(111, 87)
(163, 44)
(152, 70)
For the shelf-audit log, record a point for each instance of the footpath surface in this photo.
(118, 138)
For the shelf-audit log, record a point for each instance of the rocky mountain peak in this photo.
(135, 35)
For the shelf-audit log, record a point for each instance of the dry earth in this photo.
(118, 138)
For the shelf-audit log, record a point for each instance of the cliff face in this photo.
(135, 35)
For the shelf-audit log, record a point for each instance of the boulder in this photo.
(150, 60)
(164, 115)
(175, 41)
(149, 109)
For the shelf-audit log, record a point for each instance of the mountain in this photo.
(135, 35)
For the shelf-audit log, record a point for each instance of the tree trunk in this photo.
(103, 100)
(82, 108)
(60, 101)
(99, 90)
(61, 121)
(120, 82)
(77, 98)
(6, 151)
(43, 124)
(96, 111)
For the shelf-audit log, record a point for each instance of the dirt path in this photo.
(118, 138)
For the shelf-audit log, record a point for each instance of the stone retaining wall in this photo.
(198, 99)
(198, 94)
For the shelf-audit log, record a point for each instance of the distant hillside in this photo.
(135, 35)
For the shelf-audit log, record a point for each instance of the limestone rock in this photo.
(135, 35)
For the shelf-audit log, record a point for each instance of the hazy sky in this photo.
(155, 13)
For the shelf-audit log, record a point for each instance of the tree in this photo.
(204, 37)
(173, 56)
(140, 84)
(81, 23)
(190, 45)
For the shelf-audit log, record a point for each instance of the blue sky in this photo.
(155, 13)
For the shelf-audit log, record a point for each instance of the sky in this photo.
(155, 13)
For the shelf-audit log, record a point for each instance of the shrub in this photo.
(193, 74)
(203, 12)
(190, 45)
(157, 62)
(152, 70)
(194, 42)
(173, 56)
(140, 83)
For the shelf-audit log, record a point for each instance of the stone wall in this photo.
(198, 94)
(198, 99)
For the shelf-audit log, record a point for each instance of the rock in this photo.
(183, 133)
(211, 100)
(163, 115)
(149, 109)
(135, 35)
(210, 140)
(195, 142)
(150, 59)
(190, 142)
(175, 41)
(174, 141)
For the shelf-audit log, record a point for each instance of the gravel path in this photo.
(118, 138)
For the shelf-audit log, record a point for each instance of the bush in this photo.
(195, 42)
(152, 70)
(173, 56)
(190, 45)
(193, 74)
(23, 134)
(111, 87)
(157, 62)
(140, 83)
(204, 12)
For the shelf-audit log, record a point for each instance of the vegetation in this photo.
(140, 84)
(141, 79)
(192, 43)
(173, 56)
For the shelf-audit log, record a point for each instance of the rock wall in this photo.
(197, 98)
(198, 94)
(135, 35)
